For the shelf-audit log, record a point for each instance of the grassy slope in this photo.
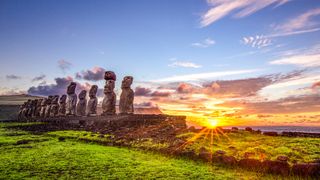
(261, 147)
(299, 149)
(46, 157)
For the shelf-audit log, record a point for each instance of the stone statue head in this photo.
(109, 87)
(71, 88)
(39, 102)
(55, 99)
(93, 91)
(63, 99)
(44, 102)
(126, 82)
(49, 100)
(34, 102)
(82, 94)
(110, 75)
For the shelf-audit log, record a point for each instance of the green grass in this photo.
(298, 149)
(45, 157)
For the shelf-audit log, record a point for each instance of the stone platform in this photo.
(115, 121)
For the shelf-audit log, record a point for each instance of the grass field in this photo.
(24, 155)
(257, 146)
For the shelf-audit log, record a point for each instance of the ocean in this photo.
(279, 129)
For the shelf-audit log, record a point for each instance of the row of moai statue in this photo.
(69, 105)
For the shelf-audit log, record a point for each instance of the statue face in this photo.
(39, 102)
(93, 91)
(126, 82)
(63, 99)
(109, 87)
(44, 102)
(55, 99)
(110, 75)
(71, 88)
(82, 94)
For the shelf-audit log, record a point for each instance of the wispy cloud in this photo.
(257, 41)
(64, 65)
(204, 44)
(185, 64)
(311, 60)
(12, 77)
(302, 22)
(301, 57)
(204, 76)
(221, 8)
(38, 78)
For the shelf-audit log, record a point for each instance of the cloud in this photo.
(13, 77)
(7, 91)
(304, 57)
(64, 65)
(95, 74)
(59, 87)
(302, 22)
(160, 94)
(204, 44)
(307, 60)
(221, 8)
(204, 76)
(144, 104)
(185, 88)
(38, 78)
(292, 104)
(184, 64)
(257, 41)
(141, 91)
(315, 85)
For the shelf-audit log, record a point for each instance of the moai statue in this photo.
(54, 106)
(62, 105)
(48, 107)
(72, 99)
(43, 107)
(21, 109)
(38, 108)
(127, 96)
(93, 101)
(109, 100)
(34, 108)
(26, 109)
(82, 103)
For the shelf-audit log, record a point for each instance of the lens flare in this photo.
(212, 123)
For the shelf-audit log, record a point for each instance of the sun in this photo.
(212, 123)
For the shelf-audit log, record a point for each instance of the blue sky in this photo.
(192, 41)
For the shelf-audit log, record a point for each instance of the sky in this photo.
(244, 62)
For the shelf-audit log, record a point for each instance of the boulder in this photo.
(248, 129)
(306, 169)
(276, 167)
(270, 133)
(251, 164)
(234, 129)
(229, 160)
(220, 153)
(204, 154)
(282, 158)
